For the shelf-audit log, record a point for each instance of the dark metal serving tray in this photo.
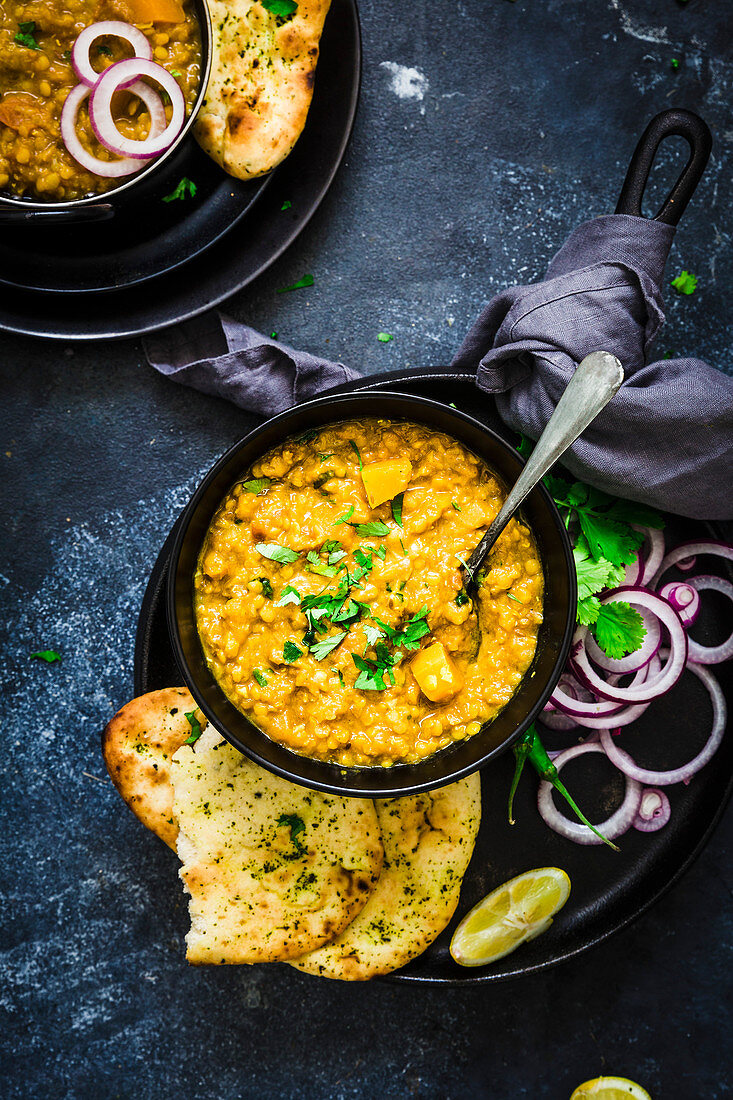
(609, 889)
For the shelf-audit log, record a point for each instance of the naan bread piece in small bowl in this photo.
(138, 745)
(428, 841)
(274, 870)
(261, 83)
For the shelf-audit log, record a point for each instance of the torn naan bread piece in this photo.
(273, 869)
(138, 744)
(428, 841)
(261, 83)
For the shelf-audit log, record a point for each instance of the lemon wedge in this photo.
(510, 915)
(610, 1088)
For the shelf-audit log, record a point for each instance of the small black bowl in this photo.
(456, 760)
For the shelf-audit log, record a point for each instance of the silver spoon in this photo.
(596, 380)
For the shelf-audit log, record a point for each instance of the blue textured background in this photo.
(517, 123)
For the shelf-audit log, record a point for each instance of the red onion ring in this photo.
(707, 654)
(108, 168)
(653, 686)
(80, 51)
(690, 550)
(655, 541)
(100, 109)
(684, 599)
(618, 823)
(654, 811)
(591, 706)
(630, 768)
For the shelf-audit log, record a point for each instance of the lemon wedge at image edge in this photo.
(610, 1088)
(512, 914)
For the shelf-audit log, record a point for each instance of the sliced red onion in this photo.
(653, 686)
(634, 661)
(80, 51)
(100, 109)
(688, 551)
(655, 541)
(654, 811)
(616, 824)
(109, 168)
(711, 654)
(684, 599)
(556, 720)
(629, 767)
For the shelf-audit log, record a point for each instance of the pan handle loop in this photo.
(674, 122)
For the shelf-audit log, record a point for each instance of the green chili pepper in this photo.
(529, 747)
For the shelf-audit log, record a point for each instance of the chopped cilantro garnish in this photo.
(307, 280)
(357, 452)
(259, 677)
(175, 72)
(196, 729)
(257, 484)
(325, 458)
(273, 335)
(25, 35)
(266, 587)
(345, 517)
(185, 189)
(315, 565)
(275, 552)
(291, 652)
(47, 655)
(384, 337)
(619, 629)
(288, 595)
(105, 51)
(322, 649)
(371, 673)
(296, 826)
(456, 507)
(685, 283)
(373, 633)
(281, 8)
(286, 205)
(462, 598)
(397, 508)
(675, 63)
(375, 529)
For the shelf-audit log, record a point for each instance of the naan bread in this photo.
(137, 746)
(274, 870)
(428, 840)
(261, 83)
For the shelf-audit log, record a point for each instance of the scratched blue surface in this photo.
(487, 130)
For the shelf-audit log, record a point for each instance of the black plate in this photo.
(154, 239)
(609, 889)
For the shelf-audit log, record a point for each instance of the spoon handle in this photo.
(596, 380)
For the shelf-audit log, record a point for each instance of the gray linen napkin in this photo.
(666, 438)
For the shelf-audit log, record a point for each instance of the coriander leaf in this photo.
(275, 552)
(619, 629)
(257, 484)
(345, 517)
(685, 283)
(592, 575)
(461, 598)
(381, 552)
(356, 451)
(631, 511)
(259, 677)
(306, 437)
(315, 565)
(175, 72)
(384, 337)
(322, 649)
(185, 189)
(291, 652)
(608, 539)
(47, 655)
(273, 335)
(525, 445)
(588, 610)
(370, 676)
(296, 826)
(373, 633)
(307, 280)
(25, 37)
(266, 587)
(397, 508)
(288, 595)
(375, 529)
(280, 7)
(287, 204)
(196, 729)
(456, 507)
(674, 63)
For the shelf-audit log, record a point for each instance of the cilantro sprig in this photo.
(25, 36)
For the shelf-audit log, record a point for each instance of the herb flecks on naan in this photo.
(428, 841)
(261, 83)
(273, 870)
